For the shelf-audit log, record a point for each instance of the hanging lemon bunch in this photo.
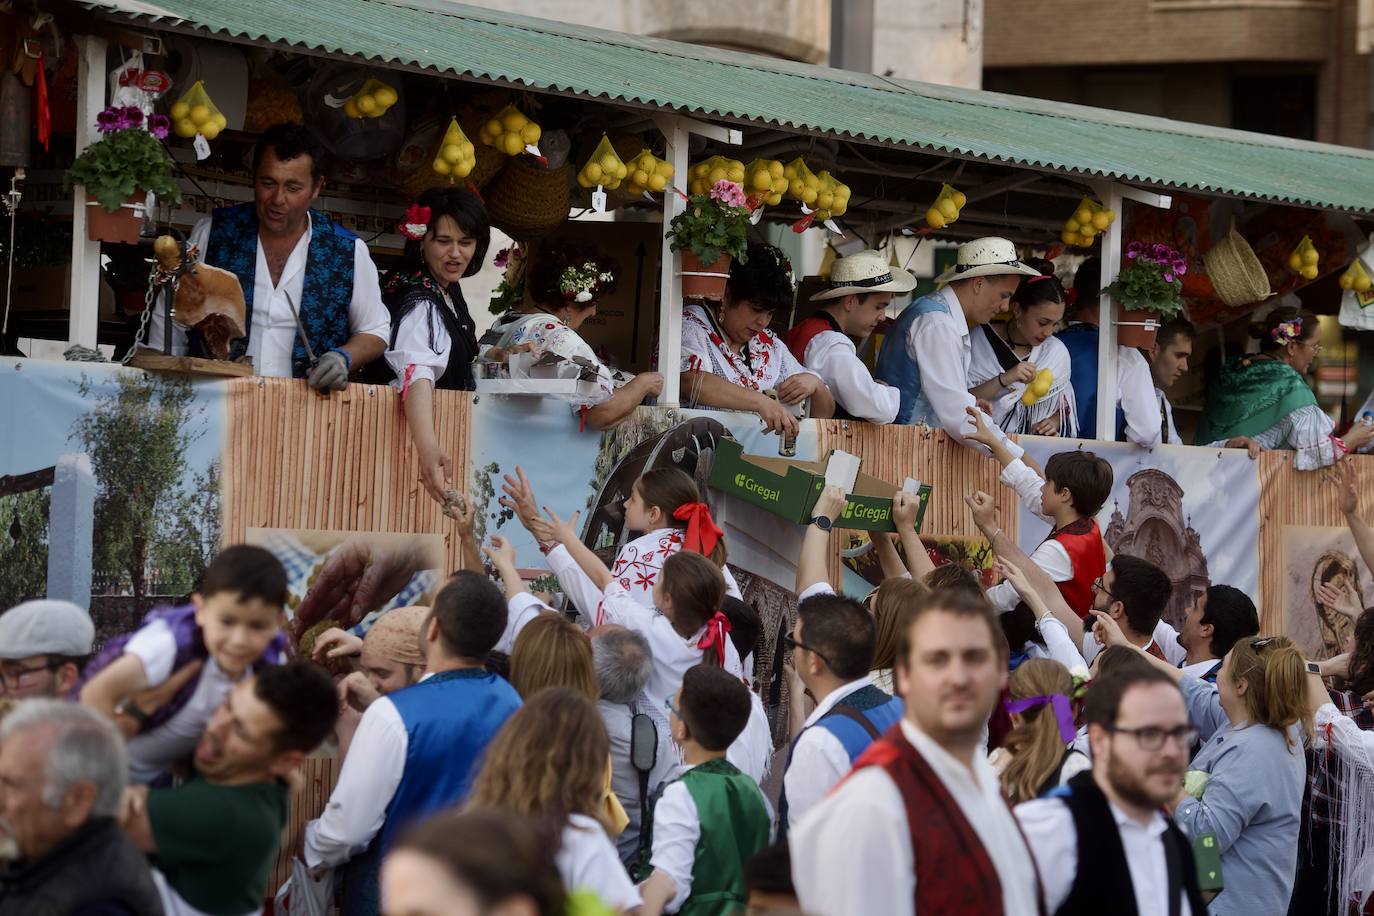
(456, 156)
(946, 208)
(1356, 278)
(702, 177)
(604, 169)
(1305, 259)
(195, 113)
(371, 101)
(1087, 220)
(802, 184)
(511, 132)
(833, 197)
(767, 179)
(647, 172)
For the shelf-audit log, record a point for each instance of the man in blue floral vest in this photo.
(313, 303)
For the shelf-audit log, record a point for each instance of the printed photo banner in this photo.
(1192, 512)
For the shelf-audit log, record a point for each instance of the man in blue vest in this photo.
(832, 646)
(312, 301)
(926, 352)
(415, 749)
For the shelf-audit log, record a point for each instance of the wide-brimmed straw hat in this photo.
(986, 257)
(865, 272)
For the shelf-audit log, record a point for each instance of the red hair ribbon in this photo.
(703, 534)
(717, 631)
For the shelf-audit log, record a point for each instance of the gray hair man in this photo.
(623, 663)
(62, 776)
(43, 645)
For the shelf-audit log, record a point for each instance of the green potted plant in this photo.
(120, 169)
(710, 233)
(1149, 290)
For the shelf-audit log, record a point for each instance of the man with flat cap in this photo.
(43, 645)
(927, 351)
(861, 287)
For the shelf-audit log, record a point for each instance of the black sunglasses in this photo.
(792, 644)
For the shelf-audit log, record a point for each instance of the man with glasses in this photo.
(1101, 839)
(43, 645)
(1134, 593)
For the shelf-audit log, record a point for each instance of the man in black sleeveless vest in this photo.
(63, 770)
(1102, 843)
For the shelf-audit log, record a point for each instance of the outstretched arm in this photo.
(1033, 577)
(1349, 495)
(502, 556)
(565, 533)
(905, 506)
(811, 565)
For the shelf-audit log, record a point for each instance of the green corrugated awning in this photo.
(538, 54)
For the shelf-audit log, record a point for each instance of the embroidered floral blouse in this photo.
(764, 363)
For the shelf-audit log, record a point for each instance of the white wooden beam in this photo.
(666, 122)
(84, 320)
(670, 284)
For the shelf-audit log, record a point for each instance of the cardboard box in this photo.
(789, 489)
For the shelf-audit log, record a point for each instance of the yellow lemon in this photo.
(385, 96)
(185, 128)
(367, 104)
(664, 168)
(200, 114)
(949, 208)
(211, 130)
(1311, 257)
(1100, 221)
(1084, 215)
(531, 133)
(441, 167)
(775, 169)
(584, 181)
(513, 121)
(1362, 284)
(180, 110)
(935, 219)
(452, 153)
(716, 174)
(1068, 238)
(1295, 261)
(809, 197)
(511, 144)
(762, 181)
(1309, 272)
(220, 121)
(1041, 387)
(1028, 397)
(960, 198)
(593, 172)
(735, 173)
(657, 182)
(825, 200)
(1111, 216)
(641, 178)
(1346, 281)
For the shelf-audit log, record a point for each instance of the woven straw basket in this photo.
(527, 201)
(1236, 273)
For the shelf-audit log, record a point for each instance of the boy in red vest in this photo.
(1074, 487)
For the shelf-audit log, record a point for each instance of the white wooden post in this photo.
(84, 320)
(1113, 196)
(676, 130)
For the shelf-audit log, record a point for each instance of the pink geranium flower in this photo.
(728, 193)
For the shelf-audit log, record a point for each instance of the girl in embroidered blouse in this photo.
(564, 286)
(1263, 397)
(731, 360)
(666, 507)
(1007, 355)
(433, 342)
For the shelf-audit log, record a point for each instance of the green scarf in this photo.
(1249, 396)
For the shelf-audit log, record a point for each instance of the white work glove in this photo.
(330, 373)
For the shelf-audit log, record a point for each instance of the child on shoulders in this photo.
(232, 626)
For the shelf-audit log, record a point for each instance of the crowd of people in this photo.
(1050, 744)
(317, 309)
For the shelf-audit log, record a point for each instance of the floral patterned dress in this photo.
(763, 363)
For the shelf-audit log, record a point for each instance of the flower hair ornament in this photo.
(781, 260)
(415, 223)
(1287, 332)
(582, 282)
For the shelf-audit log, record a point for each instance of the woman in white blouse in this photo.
(1264, 397)
(433, 342)
(564, 287)
(549, 762)
(731, 360)
(1007, 355)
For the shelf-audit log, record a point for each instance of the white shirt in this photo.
(1050, 556)
(152, 752)
(941, 346)
(274, 331)
(852, 855)
(1168, 409)
(1049, 829)
(1136, 394)
(1165, 636)
(752, 751)
(833, 357)
(819, 760)
(172, 902)
(422, 341)
(587, 861)
(1199, 669)
(1058, 645)
(371, 772)
(677, 828)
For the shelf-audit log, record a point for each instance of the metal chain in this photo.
(148, 297)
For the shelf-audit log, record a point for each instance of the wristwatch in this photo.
(821, 522)
(127, 707)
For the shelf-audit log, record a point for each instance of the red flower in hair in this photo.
(415, 223)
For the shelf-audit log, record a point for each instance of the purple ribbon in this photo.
(1063, 712)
